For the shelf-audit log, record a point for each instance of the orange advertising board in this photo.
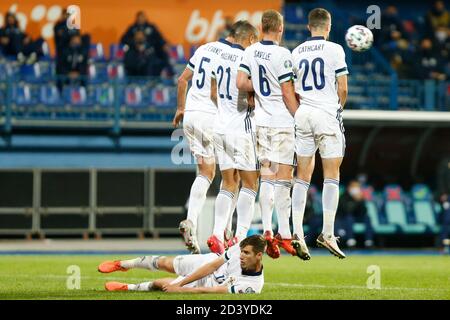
(180, 21)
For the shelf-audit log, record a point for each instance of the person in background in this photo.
(63, 35)
(153, 39)
(437, 17)
(443, 196)
(430, 64)
(15, 42)
(141, 59)
(72, 64)
(352, 209)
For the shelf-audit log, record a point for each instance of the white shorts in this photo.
(236, 151)
(317, 129)
(184, 265)
(198, 129)
(275, 145)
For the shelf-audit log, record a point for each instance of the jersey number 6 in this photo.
(264, 86)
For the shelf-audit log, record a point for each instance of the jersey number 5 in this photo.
(201, 83)
(305, 64)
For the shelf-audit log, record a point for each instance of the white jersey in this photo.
(238, 281)
(269, 65)
(233, 115)
(199, 94)
(317, 64)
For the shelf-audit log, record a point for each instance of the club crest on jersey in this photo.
(249, 290)
(288, 64)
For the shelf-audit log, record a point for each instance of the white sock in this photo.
(146, 262)
(144, 286)
(245, 211)
(299, 194)
(222, 208)
(330, 200)
(283, 207)
(197, 198)
(233, 207)
(266, 201)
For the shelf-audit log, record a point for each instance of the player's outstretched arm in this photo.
(200, 273)
(289, 98)
(342, 90)
(243, 82)
(183, 82)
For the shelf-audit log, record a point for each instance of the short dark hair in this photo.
(271, 21)
(318, 18)
(244, 31)
(257, 241)
(234, 27)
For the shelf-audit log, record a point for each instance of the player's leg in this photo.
(229, 229)
(283, 145)
(143, 286)
(151, 263)
(246, 202)
(330, 200)
(198, 132)
(222, 208)
(283, 186)
(305, 168)
(266, 189)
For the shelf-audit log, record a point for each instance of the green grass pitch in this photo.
(323, 277)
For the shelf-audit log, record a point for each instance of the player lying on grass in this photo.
(238, 270)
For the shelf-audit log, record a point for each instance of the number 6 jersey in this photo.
(269, 65)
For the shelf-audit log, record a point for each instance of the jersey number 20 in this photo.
(305, 64)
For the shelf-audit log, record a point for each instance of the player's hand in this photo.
(172, 288)
(251, 99)
(178, 117)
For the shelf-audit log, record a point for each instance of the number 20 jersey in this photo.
(317, 64)
(269, 65)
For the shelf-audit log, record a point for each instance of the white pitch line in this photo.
(278, 284)
(320, 286)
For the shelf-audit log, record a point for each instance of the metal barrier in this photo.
(93, 202)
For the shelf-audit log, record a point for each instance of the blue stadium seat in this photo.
(97, 73)
(177, 54)
(116, 52)
(423, 207)
(76, 96)
(23, 95)
(134, 97)
(116, 71)
(104, 96)
(163, 97)
(396, 213)
(96, 53)
(49, 96)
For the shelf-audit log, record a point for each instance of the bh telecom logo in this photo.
(39, 14)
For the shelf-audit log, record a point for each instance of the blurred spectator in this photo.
(72, 63)
(153, 39)
(312, 219)
(141, 59)
(437, 17)
(62, 34)
(226, 29)
(15, 42)
(430, 62)
(390, 22)
(352, 209)
(443, 195)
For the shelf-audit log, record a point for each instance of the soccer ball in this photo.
(359, 38)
